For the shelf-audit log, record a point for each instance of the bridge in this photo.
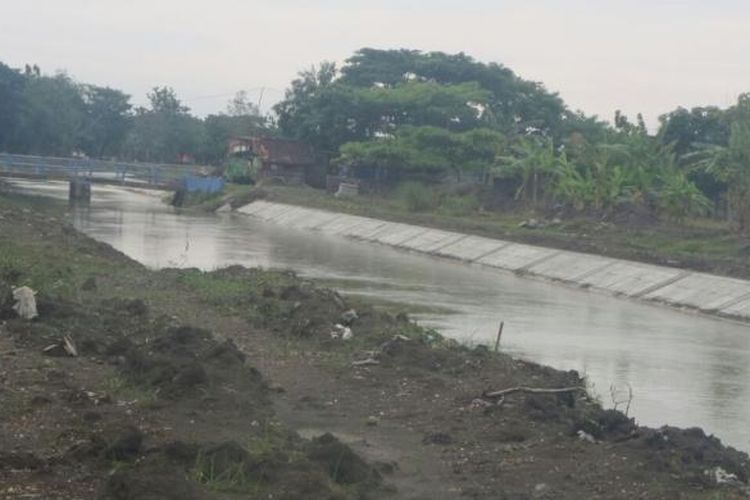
(146, 175)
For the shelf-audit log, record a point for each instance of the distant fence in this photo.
(208, 185)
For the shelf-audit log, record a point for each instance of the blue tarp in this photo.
(193, 184)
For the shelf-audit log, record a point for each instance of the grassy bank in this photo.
(701, 245)
(226, 384)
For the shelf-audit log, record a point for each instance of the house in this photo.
(286, 160)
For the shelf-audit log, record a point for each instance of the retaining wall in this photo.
(716, 295)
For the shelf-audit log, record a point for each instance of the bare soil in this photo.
(228, 384)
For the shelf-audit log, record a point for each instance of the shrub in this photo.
(453, 204)
(416, 197)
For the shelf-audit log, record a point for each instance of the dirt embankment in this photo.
(238, 384)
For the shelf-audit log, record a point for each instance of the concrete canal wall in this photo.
(679, 288)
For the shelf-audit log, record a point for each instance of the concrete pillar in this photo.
(79, 190)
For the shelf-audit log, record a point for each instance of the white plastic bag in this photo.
(25, 302)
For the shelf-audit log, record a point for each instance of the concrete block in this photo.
(272, 210)
(517, 256)
(470, 248)
(396, 234)
(314, 219)
(288, 217)
(365, 228)
(570, 266)
(342, 224)
(630, 278)
(430, 240)
(740, 309)
(702, 291)
(252, 208)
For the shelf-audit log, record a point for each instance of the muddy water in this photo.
(684, 369)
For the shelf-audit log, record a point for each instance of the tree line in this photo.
(54, 115)
(432, 116)
(406, 114)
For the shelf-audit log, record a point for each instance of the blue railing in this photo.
(152, 174)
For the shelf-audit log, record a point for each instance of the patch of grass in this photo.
(232, 478)
(124, 390)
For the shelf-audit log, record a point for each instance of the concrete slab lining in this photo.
(396, 236)
(430, 240)
(341, 224)
(630, 278)
(739, 309)
(702, 291)
(471, 248)
(569, 266)
(677, 287)
(253, 208)
(517, 256)
(365, 228)
(288, 217)
(314, 220)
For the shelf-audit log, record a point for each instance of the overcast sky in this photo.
(638, 55)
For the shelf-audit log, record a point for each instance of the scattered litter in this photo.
(721, 476)
(341, 332)
(69, 346)
(585, 436)
(372, 421)
(366, 362)
(481, 403)
(65, 346)
(25, 302)
(349, 317)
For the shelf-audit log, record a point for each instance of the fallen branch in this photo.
(531, 390)
(366, 362)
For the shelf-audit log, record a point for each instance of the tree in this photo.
(532, 161)
(434, 150)
(731, 164)
(514, 105)
(11, 94)
(52, 116)
(107, 120)
(165, 130)
(242, 118)
(687, 129)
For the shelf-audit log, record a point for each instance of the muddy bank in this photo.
(192, 384)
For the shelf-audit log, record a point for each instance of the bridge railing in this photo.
(161, 174)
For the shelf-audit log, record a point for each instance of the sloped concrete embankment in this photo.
(710, 294)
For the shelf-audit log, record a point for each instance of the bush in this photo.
(416, 197)
(453, 204)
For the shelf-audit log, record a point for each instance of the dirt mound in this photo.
(159, 483)
(343, 465)
(692, 454)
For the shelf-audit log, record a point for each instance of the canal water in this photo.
(684, 369)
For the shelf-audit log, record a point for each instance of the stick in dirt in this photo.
(499, 334)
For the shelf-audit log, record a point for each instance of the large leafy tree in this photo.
(52, 116)
(514, 105)
(11, 94)
(107, 120)
(378, 91)
(432, 150)
(165, 130)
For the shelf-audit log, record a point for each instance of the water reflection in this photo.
(685, 370)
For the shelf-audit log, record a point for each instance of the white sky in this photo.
(638, 55)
